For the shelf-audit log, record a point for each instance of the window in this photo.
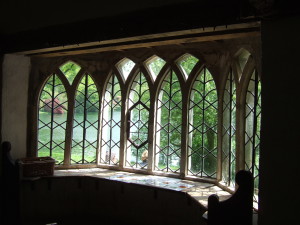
(229, 131)
(138, 118)
(85, 122)
(203, 125)
(162, 112)
(111, 122)
(168, 125)
(52, 121)
(252, 128)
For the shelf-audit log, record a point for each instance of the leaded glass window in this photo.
(186, 63)
(229, 132)
(111, 122)
(242, 59)
(252, 128)
(168, 125)
(137, 123)
(203, 123)
(52, 120)
(154, 65)
(125, 66)
(85, 122)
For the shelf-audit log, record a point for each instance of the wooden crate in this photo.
(36, 166)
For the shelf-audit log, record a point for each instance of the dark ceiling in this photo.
(42, 24)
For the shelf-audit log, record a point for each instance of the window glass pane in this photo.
(252, 129)
(139, 105)
(187, 63)
(125, 66)
(168, 125)
(228, 132)
(85, 123)
(111, 123)
(53, 106)
(155, 64)
(203, 123)
(70, 70)
(243, 58)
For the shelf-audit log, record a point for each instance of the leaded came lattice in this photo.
(138, 118)
(111, 123)
(229, 132)
(252, 128)
(168, 125)
(53, 106)
(85, 123)
(203, 123)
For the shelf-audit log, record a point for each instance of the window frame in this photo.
(102, 76)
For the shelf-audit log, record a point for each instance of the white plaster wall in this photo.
(16, 71)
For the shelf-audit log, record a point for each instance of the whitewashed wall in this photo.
(16, 71)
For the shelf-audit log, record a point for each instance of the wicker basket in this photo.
(37, 166)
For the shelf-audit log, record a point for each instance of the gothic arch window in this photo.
(52, 119)
(203, 124)
(125, 66)
(168, 125)
(176, 99)
(85, 122)
(111, 122)
(70, 70)
(186, 63)
(137, 123)
(154, 66)
(252, 128)
(229, 131)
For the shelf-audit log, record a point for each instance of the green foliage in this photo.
(86, 95)
(70, 70)
(187, 63)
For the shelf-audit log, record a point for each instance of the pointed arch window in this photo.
(70, 70)
(252, 128)
(241, 60)
(186, 63)
(168, 125)
(85, 122)
(137, 123)
(111, 123)
(52, 119)
(229, 131)
(203, 123)
(154, 65)
(125, 66)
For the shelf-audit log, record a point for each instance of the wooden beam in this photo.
(177, 37)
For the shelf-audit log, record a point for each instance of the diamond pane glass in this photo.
(187, 63)
(155, 64)
(203, 123)
(252, 129)
(85, 122)
(125, 67)
(111, 123)
(139, 105)
(228, 132)
(53, 106)
(70, 70)
(168, 125)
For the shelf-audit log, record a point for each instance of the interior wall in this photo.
(15, 73)
(279, 197)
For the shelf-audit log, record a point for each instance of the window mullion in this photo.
(69, 126)
(184, 135)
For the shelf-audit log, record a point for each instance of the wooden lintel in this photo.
(99, 49)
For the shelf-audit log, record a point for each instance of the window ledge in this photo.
(200, 191)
